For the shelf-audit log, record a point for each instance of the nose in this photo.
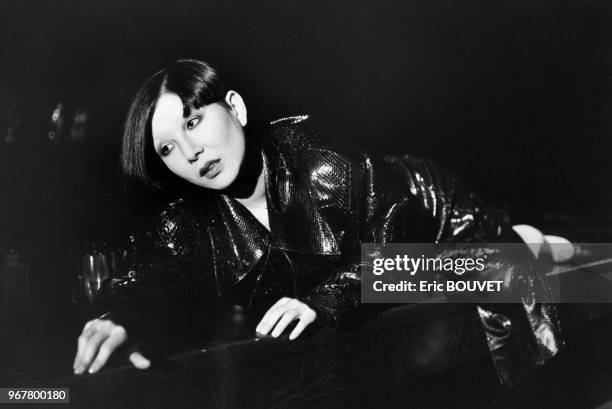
(191, 149)
(193, 158)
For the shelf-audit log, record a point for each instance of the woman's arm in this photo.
(403, 199)
(143, 306)
(411, 200)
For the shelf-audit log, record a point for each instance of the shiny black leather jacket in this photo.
(323, 201)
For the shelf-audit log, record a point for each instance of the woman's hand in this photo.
(97, 342)
(281, 314)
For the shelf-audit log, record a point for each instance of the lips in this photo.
(211, 169)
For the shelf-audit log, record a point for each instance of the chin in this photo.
(221, 182)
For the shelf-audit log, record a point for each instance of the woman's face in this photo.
(205, 148)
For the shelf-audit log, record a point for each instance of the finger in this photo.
(88, 331)
(306, 318)
(287, 318)
(92, 346)
(116, 338)
(268, 323)
(269, 313)
(139, 361)
(299, 328)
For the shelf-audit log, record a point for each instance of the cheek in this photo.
(236, 145)
(217, 133)
(175, 166)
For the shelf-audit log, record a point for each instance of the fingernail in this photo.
(93, 369)
(78, 370)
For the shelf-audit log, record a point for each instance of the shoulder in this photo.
(315, 155)
(308, 138)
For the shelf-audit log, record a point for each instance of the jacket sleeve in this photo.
(164, 281)
(403, 199)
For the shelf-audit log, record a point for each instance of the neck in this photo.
(249, 186)
(259, 193)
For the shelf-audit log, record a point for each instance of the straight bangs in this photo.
(196, 83)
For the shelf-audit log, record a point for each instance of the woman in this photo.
(275, 222)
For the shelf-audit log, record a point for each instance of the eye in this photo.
(192, 122)
(165, 149)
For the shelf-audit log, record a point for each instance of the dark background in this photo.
(514, 96)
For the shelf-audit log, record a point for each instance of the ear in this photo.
(237, 106)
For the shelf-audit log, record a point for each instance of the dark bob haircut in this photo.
(196, 83)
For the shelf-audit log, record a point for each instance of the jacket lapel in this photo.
(239, 241)
(295, 221)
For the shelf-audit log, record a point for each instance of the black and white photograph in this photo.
(305, 204)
